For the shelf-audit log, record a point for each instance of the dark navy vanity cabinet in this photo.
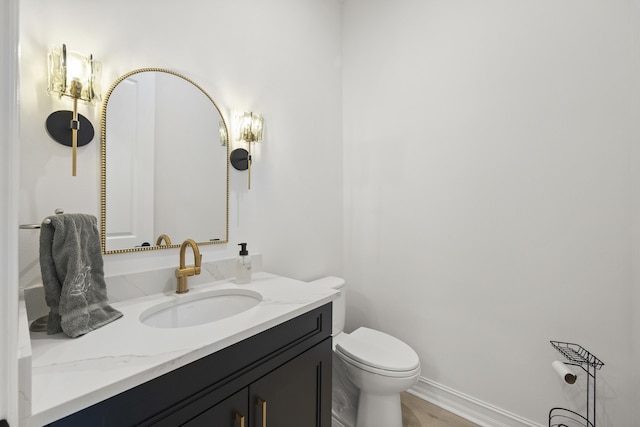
(278, 378)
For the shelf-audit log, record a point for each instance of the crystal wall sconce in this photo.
(75, 76)
(249, 129)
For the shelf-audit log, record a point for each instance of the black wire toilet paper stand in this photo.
(576, 355)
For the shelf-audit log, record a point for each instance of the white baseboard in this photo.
(465, 406)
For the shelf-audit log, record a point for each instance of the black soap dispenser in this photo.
(243, 265)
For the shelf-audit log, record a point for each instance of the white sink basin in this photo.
(197, 309)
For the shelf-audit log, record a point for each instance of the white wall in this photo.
(280, 58)
(9, 149)
(635, 339)
(487, 153)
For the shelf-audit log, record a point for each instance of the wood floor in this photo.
(419, 413)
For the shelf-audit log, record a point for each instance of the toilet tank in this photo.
(339, 304)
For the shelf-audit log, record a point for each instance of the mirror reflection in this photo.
(164, 169)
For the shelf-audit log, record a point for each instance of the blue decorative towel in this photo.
(73, 275)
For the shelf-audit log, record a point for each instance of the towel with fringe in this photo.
(73, 275)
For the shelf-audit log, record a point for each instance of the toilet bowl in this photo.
(370, 370)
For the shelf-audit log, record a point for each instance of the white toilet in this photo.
(370, 369)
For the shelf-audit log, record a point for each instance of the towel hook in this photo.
(58, 211)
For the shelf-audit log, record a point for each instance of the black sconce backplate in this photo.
(240, 159)
(59, 128)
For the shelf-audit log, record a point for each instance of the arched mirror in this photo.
(164, 175)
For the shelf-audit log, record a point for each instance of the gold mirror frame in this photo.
(103, 166)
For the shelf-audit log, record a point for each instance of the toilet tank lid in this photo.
(331, 282)
(379, 350)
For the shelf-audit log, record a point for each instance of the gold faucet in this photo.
(183, 272)
(167, 240)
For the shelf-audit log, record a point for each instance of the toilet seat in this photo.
(379, 353)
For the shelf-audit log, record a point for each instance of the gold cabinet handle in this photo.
(263, 407)
(239, 419)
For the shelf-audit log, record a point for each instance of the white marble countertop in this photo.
(71, 374)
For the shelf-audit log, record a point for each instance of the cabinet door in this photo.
(231, 412)
(296, 394)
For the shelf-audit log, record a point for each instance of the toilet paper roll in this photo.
(564, 372)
